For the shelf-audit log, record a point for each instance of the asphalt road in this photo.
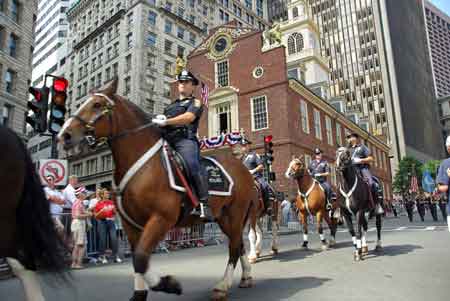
(415, 265)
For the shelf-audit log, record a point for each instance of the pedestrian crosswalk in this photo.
(404, 228)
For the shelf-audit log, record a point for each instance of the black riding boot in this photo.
(201, 186)
(378, 199)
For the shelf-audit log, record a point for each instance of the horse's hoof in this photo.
(258, 254)
(365, 251)
(252, 259)
(246, 283)
(274, 252)
(324, 247)
(356, 256)
(219, 295)
(168, 284)
(139, 296)
(331, 242)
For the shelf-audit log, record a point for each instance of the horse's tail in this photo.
(40, 245)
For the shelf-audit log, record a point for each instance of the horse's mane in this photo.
(136, 109)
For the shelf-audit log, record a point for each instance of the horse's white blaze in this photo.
(246, 267)
(64, 127)
(305, 237)
(252, 240)
(139, 282)
(31, 285)
(358, 243)
(363, 239)
(354, 240)
(322, 236)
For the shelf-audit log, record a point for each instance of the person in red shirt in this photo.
(105, 212)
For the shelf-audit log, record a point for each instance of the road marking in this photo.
(400, 228)
(430, 228)
(372, 229)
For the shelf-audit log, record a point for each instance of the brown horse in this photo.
(311, 200)
(150, 208)
(255, 235)
(28, 237)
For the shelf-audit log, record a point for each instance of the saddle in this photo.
(220, 182)
(271, 198)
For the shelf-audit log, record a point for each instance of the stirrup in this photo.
(202, 210)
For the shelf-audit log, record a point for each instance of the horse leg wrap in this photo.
(139, 296)
(169, 285)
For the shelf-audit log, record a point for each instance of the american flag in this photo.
(414, 187)
(205, 94)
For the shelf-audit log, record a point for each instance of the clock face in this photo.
(221, 44)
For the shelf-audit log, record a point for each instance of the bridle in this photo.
(106, 111)
(296, 174)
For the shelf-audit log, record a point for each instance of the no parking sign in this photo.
(54, 168)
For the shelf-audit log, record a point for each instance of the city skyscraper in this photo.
(438, 28)
(369, 76)
(16, 47)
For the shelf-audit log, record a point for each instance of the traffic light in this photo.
(39, 106)
(58, 104)
(268, 149)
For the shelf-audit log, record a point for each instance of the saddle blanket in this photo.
(220, 182)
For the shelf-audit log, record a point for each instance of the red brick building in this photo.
(250, 91)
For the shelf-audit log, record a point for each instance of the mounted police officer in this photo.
(320, 170)
(362, 158)
(180, 121)
(255, 165)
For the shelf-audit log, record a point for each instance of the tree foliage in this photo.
(432, 166)
(407, 167)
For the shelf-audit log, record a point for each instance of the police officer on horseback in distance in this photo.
(320, 170)
(180, 122)
(362, 158)
(255, 165)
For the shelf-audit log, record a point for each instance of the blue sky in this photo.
(443, 5)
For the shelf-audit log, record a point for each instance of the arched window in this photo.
(291, 43)
(295, 12)
(299, 42)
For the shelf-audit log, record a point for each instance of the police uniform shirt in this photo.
(251, 161)
(181, 106)
(317, 167)
(442, 177)
(361, 151)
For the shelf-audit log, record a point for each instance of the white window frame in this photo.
(308, 160)
(216, 70)
(304, 116)
(329, 129)
(317, 124)
(252, 113)
(338, 134)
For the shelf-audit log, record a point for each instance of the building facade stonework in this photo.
(16, 47)
(250, 91)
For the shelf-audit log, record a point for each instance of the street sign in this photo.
(55, 168)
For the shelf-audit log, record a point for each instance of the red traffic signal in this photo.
(36, 92)
(268, 139)
(60, 84)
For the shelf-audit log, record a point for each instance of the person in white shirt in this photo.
(69, 192)
(56, 200)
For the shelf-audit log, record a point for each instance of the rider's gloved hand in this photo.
(252, 171)
(160, 120)
(356, 160)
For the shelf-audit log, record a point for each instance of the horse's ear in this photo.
(111, 88)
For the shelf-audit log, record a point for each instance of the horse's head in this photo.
(92, 122)
(343, 158)
(296, 168)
